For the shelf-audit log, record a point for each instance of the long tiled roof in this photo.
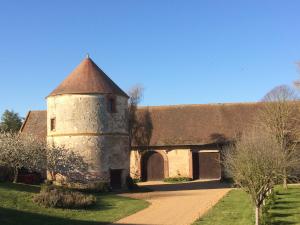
(176, 125)
(36, 124)
(193, 124)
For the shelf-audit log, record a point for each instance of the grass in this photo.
(286, 210)
(17, 207)
(236, 208)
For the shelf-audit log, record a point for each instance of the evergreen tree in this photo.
(10, 121)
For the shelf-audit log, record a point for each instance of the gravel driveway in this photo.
(176, 204)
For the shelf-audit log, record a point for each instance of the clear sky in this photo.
(183, 52)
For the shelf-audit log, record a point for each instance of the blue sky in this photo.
(183, 52)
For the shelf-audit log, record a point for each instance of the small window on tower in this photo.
(52, 124)
(111, 105)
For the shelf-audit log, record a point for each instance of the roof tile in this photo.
(88, 78)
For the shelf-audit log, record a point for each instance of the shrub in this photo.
(177, 179)
(131, 183)
(136, 180)
(58, 197)
(89, 187)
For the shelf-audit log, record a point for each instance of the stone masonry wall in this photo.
(179, 160)
(135, 160)
(178, 163)
(86, 114)
(83, 124)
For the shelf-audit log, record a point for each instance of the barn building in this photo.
(88, 113)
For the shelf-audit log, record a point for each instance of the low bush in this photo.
(177, 179)
(136, 180)
(89, 187)
(131, 183)
(58, 197)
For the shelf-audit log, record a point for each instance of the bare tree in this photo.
(280, 116)
(135, 97)
(18, 151)
(255, 163)
(297, 82)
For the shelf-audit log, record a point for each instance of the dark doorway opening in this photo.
(195, 157)
(116, 178)
(153, 166)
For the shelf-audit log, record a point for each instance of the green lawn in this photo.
(16, 207)
(235, 209)
(287, 208)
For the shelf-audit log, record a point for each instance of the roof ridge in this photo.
(180, 105)
(195, 105)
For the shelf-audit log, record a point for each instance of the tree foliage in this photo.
(18, 151)
(10, 121)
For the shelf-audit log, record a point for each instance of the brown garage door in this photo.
(209, 165)
(155, 167)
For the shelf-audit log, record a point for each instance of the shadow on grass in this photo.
(283, 223)
(100, 205)
(283, 194)
(282, 215)
(20, 187)
(17, 217)
(281, 207)
(286, 206)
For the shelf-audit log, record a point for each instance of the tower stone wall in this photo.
(84, 124)
(88, 114)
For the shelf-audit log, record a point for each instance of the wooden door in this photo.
(209, 165)
(195, 158)
(155, 167)
(116, 179)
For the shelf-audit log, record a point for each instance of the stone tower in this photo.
(88, 113)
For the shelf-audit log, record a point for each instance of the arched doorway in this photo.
(153, 166)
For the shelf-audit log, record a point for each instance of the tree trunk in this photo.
(53, 176)
(270, 191)
(285, 186)
(257, 215)
(16, 174)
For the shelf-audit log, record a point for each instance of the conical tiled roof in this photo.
(88, 78)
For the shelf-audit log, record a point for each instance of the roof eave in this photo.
(92, 93)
